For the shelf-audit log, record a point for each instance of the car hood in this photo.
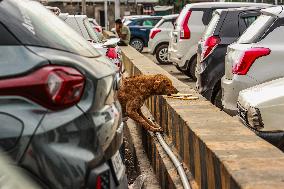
(263, 95)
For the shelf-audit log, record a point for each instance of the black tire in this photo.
(162, 54)
(178, 68)
(137, 44)
(218, 99)
(192, 68)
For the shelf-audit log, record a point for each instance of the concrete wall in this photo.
(217, 149)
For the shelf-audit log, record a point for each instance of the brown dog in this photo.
(135, 90)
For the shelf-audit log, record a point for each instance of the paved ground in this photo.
(173, 71)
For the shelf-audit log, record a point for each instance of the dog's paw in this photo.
(157, 129)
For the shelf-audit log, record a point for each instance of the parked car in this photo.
(261, 109)
(212, 48)
(97, 28)
(140, 30)
(189, 28)
(60, 120)
(81, 24)
(14, 177)
(160, 37)
(257, 57)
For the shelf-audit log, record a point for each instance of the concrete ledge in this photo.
(218, 150)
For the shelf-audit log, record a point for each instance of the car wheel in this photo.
(192, 68)
(178, 68)
(137, 44)
(162, 54)
(218, 99)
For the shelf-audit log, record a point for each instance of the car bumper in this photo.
(151, 46)
(111, 174)
(273, 137)
(231, 89)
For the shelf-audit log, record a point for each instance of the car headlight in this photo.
(254, 118)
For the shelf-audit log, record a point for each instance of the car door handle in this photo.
(143, 29)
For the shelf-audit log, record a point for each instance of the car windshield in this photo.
(34, 25)
(256, 29)
(127, 22)
(91, 31)
(211, 26)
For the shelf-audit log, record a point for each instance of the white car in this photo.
(160, 37)
(257, 57)
(188, 30)
(109, 48)
(262, 107)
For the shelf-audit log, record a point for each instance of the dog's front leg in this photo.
(132, 109)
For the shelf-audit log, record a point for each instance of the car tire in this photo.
(191, 69)
(162, 54)
(178, 68)
(137, 44)
(218, 99)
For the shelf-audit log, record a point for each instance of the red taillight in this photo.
(210, 43)
(54, 87)
(99, 182)
(185, 32)
(153, 32)
(248, 59)
(98, 28)
(111, 53)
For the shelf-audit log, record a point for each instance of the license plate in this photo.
(117, 165)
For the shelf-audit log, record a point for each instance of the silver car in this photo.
(260, 108)
(160, 37)
(257, 57)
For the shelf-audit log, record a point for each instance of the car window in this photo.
(91, 31)
(211, 26)
(6, 38)
(249, 20)
(34, 25)
(256, 29)
(127, 22)
(150, 22)
(166, 24)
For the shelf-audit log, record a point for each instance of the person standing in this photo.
(123, 33)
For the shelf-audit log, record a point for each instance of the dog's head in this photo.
(163, 85)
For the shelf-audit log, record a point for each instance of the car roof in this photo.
(239, 9)
(144, 17)
(274, 11)
(222, 4)
(171, 16)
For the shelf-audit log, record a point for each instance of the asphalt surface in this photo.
(172, 70)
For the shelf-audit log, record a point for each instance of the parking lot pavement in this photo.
(173, 71)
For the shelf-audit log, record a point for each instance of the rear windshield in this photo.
(181, 16)
(167, 24)
(211, 26)
(34, 25)
(91, 31)
(127, 22)
(256, 29)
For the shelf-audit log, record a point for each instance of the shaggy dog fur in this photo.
(135, 90)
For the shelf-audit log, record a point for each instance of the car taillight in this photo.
(209, 44)
(185, 32)
(248, 58)
(111, 53)
(153, 32)
(54, 87)
(98, 28)
(99, 182)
